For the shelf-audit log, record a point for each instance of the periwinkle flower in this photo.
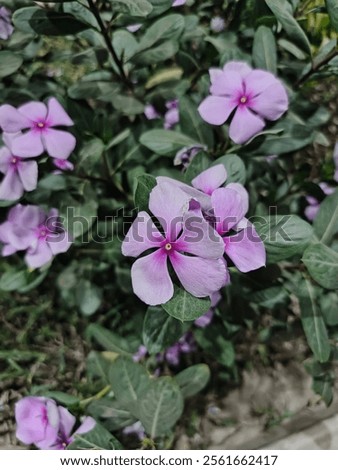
(186, 154)
(150, 112)
(19, 174)
(313, 207)
(188, 242)
(172, 116)
(31, 229)
(64, 165)
(185, 345)
(250, 96)
(6, 28)
(133, 28)
(178, 3)
(38, 122)
(48, 426)
(205, 320)
(217, 24)
(137, 429)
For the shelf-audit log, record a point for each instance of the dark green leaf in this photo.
(265, 50)
(193, 379)
(328, 305)
(192, 124)
(108, 340)
(160, 406)
(62, 398)
(88, 297)
(165, 142)
(186, 307)
(169, 27)
(140, 8)
(326, 221)
(111, 412)
(160, 330)
(332, 8)
(322, 264)
(9, 63)
(235, 168)
(213, 341)
(13, 280)
(96, 439)
(163, 51)
(145, 184)
(127, 105)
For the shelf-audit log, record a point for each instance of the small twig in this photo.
(317, 66)
(122, 74)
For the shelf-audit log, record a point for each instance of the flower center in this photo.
(14, 160)
(41, 125)
(168, 246)
(243, 99)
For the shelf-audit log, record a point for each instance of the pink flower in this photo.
(252, 95)
(150, 112)
(48, 426)
(64, 165)
(30, 229)
(313, 207)
(172, 116)
(206, 319)
(184, 232)
(38, 122)
(20, 174)
(178, 3)
(6, 28)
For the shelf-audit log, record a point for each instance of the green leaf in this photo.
(139, 8)
(192, 124)
(193, 379)
(313, 322)
(125, 44)
(332, 8)
(213, 341)
(9, 63)
(100, 90)
(144, 186)
(127, 105)
(271, 297)
(129, 381)
(326, 221)
(98, 367)
(186, 307)
(88, 297)
(323, 386)
(169, 27)
(163, 76)
(295, 137)
(163, 51)
(159, 7)
(235, 168)
(328, 305)
(50, 23)
(108, 340)
(160, 406)
(283, 12)
(111, 412)
(62, 398)
(283, 235)
(160, 330)
(163, 142)
(322, 264)
(13, 280)
(265, 50)
(198, 164)
(78, 218)
(96, 439)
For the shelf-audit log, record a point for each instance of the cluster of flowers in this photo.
(40, 421)
(29, 131)
(203, 227)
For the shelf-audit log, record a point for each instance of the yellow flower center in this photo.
(244, 99)
(168, 246)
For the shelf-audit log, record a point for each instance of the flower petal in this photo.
(237, 66)
(228, 209)
(150, 279)
(168, 203)
(11, 187)
(199, 238)
(87, 425)
(242, 192)
(216, 109)
(229, 84)
(28, 145)
(67, 421)
(59, 242)
(201, 277)
(210, 179)
(28, 172)
(35, 111)
(5, 158)
(57, 116)
(41, 255)
(141, 236)
(202, 198)
(271, 103)
(246, 249)
(245, 125)
(214, 74)
(59, 144)
(11, 120)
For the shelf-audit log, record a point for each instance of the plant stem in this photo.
(316, 67)
(122, 75)
(99, 395)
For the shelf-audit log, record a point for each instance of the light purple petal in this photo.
(28, 172)
(210, 179)
(17, 236)
(246, 249)
(28, 145)
(242, 192)
(5, 159)
(171, 118)
(258, 81)
(11, 120)
(245, 125)
(178, 3)
(87, 425)
(141, 236)
(203, 199)
(59, 242)
(311, 212)
(11, 187)
(168, 203)
(205, 319)
(201, 277)
(216, 110)
(228, 209)
(150, 279)
(67, 421)
(214, 74)
(35, 111)
(271, 103)
(57, 116)
(59, 144)
(150, 112)
(26, 216)
(199, 238)
(64, 165)
(240, 67)
(40, 256)
(229, 84)
(8, 250)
